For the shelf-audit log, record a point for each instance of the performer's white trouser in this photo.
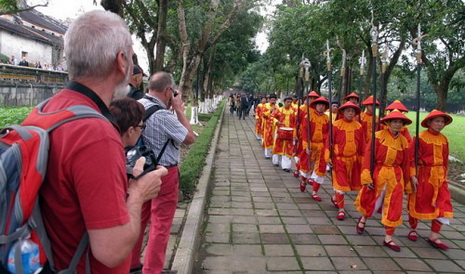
(275, 159)
(286, 162)
(296, 159)
(268, 152)
(318, 179)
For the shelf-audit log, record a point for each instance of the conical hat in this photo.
(369, 101)
(397, 105)
(352, 95)
(313, 94)
(350, 105)
(320, 100)
(436, 113)
(395, 114)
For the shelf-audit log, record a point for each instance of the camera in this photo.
(175, 93)
(134, 153)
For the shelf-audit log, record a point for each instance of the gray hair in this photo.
(92, 43)
(160, 81)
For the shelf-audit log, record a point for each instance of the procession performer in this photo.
(310, 156)
(366, 117)
(348, 147)
(295, 102)
(431, 197)
(334, 107)
(258, 119)
(269, 125)
(400, 107)
(303, 117)
(354, 99)
(385, 187)
(283, 148)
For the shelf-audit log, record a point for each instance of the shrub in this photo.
(193, 163)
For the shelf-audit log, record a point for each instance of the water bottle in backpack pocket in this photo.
(28, 254)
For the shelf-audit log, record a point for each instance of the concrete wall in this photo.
(11, 44)
(21, 86)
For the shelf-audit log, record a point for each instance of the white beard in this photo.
(122, 88)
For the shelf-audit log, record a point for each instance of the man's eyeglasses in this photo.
(142, 127)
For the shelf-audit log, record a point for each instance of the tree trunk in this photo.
(161, 35)
(369, 73)
(206, 40)
(387, 74)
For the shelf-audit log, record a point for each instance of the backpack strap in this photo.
(151, 110)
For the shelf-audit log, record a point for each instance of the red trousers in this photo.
(136, 251)
(162, 212)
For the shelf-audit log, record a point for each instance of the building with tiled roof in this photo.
(33, 35)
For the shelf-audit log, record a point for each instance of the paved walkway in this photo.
(258, 221)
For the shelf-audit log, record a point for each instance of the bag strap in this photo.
(151, 110)
(78, 87)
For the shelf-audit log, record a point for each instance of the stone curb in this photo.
(185, 252)
(457, 192)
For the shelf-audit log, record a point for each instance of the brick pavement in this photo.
(258, 221)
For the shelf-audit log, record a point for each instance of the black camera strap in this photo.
(78, 87)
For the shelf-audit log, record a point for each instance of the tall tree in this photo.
(443, 51)
(15, 6)
(193, 50)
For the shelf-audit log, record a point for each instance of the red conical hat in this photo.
(352, 95)
(436, 113)
(369, 101)
(313, 94)
(320, 100)
(395, 114)
(397, 105)
(350, 105)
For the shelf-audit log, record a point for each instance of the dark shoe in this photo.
(296, 173)
(316, 198)
(360, 230)
(167, 271)
(437, 244)
(136, 270)
(412, 235)
(287, 170)
(392, 246)
(303, 186)
(341, 215)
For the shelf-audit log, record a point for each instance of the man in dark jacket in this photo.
(244, 106)
(134, 83)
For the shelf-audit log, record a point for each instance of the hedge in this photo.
(193, 163)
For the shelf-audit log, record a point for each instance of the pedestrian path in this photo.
(258, 221)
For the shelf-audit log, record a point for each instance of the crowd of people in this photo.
(25, 63)
(241, 103)
(325, 139)
(88, 188)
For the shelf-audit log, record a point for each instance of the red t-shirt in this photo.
(85, 186)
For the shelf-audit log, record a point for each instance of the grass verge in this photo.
(13, 115)
(193, 163)
(454, 133)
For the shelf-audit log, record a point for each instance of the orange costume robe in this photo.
(367, 124)
(286, 118)
(391, 173)
(348, 147)
(302, 120)
(432, 198)
(258, 120)
(269, 123)
(319, 128)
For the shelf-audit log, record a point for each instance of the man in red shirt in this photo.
(86, 187)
